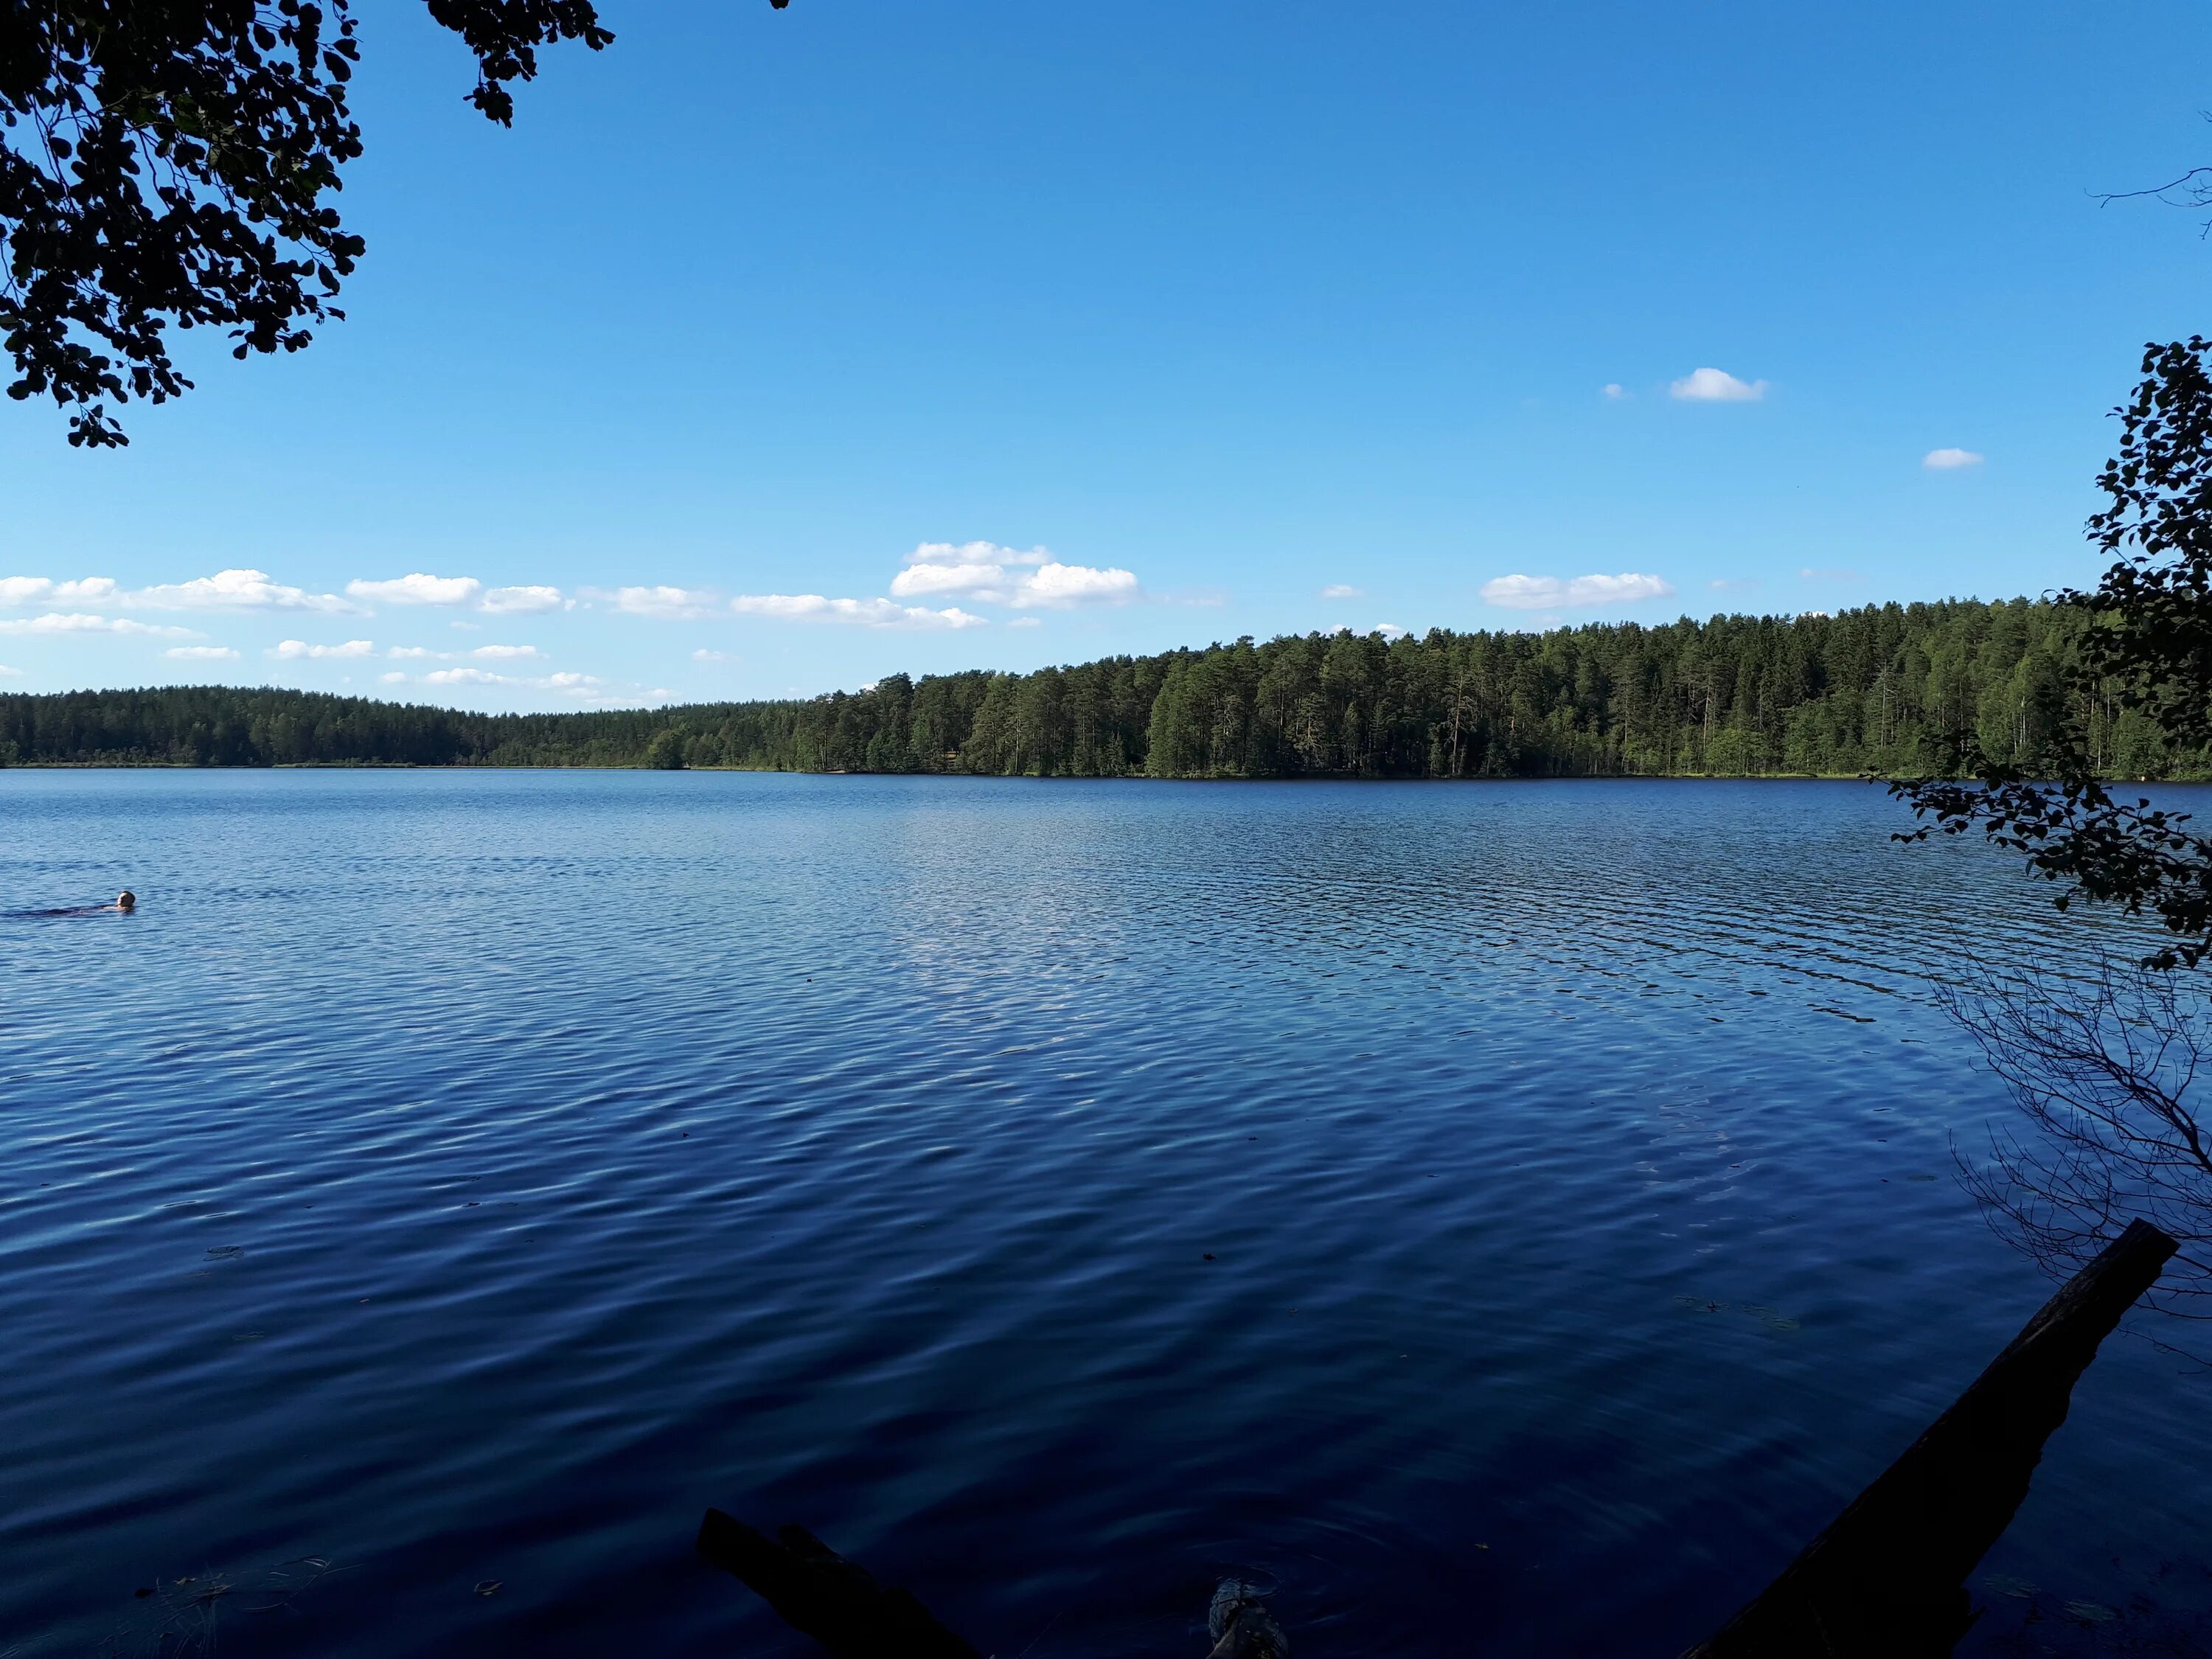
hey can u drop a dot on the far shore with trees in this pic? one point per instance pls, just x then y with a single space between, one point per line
1909 690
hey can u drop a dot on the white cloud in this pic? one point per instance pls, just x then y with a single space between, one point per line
418 588
991 575
227 590
976 580
1616 392
395 677
664 604
704 655
524 601
1714 386
867 613
1342 591
15 591
568 683
507 652
1026 622
1388 630
1518 593
5 671
976 553
202 654
66 621
1059 586
233 590
400 650
1945 460
291 650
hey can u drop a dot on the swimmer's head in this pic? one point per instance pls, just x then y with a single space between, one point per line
126 900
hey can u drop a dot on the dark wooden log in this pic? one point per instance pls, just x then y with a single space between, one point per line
817 1591
1888 1579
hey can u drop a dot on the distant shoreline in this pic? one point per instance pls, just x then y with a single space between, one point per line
1885 692
993 777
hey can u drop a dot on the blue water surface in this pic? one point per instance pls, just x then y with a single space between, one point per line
1509 1218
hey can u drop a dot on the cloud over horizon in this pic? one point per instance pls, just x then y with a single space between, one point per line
489 652
527 600
990 574
420 587
866 613
662 603
227 590
1946 461
1519 592
234 590
593 690
18 590
63 622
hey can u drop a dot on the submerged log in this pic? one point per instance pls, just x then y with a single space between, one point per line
817 1591
1888 1577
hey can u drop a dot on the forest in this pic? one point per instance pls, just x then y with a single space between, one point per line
1889 689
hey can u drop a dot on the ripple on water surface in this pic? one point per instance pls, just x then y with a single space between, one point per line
1506 1218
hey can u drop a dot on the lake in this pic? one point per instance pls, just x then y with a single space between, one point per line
1509 1218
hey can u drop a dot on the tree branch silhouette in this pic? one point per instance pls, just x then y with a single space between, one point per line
2148 647
169 163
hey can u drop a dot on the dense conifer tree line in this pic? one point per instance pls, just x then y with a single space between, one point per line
1884 688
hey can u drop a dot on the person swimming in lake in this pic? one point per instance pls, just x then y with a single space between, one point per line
125 902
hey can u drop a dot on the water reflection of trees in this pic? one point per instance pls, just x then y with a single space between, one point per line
2107 1070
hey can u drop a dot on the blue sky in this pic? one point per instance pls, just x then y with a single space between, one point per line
772 351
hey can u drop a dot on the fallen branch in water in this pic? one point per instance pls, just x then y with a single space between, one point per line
818 1592
1888 1579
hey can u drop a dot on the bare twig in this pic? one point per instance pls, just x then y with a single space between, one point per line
2104 1069
2202 193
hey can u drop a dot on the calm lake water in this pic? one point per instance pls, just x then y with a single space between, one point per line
1510 1217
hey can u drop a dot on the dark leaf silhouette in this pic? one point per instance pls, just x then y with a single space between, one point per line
2145 650
171 163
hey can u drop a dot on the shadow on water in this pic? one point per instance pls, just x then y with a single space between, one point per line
1886 1580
